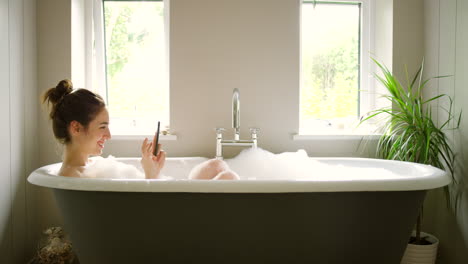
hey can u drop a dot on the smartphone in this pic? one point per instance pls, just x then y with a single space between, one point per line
156 141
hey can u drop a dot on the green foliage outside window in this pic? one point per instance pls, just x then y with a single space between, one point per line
136 62
330 62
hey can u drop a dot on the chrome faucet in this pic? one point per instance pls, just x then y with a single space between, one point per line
220 142
236 113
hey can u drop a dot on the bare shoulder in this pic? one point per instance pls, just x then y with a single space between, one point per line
71 171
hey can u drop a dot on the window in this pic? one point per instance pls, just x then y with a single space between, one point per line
335 59
137 86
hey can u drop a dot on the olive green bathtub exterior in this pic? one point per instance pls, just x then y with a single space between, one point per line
323 227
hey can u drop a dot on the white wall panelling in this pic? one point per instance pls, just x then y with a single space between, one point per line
5 179
18 114
446 39
17 133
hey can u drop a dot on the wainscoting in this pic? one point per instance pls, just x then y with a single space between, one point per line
18 132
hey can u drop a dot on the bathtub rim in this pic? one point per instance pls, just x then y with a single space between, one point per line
439 178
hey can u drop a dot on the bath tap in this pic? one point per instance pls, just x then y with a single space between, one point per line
236 113
220 142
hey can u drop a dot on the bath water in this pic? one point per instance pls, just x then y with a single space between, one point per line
253 164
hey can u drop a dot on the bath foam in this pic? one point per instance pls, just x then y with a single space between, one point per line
250 164
111 168
259 164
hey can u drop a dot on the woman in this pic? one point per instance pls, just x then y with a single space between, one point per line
80 121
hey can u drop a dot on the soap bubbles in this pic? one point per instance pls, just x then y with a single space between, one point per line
259 164
253 164
250 164
100 167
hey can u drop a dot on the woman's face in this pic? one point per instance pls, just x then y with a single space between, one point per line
93 138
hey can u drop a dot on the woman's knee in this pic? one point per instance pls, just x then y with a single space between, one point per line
208 169
217 165
227 175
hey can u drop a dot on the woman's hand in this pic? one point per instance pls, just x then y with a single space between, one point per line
151 164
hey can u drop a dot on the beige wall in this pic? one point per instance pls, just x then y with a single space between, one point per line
408 36
446 35
54 53
54 62
220 45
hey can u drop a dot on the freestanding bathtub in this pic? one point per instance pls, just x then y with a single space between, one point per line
327 219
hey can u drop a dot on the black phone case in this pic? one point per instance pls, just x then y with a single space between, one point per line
156 142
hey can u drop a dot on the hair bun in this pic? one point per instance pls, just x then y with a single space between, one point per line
63 88
54 95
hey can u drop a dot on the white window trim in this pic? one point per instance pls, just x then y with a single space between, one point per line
94 47
337 137
95 75
169 137
367 82
367 46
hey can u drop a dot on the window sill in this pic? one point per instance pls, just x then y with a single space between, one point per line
142 137
297 137
338 131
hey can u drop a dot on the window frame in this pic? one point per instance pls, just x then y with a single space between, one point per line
367 92
100 57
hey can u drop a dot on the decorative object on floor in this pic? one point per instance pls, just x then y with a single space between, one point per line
55 249
409 133
425 253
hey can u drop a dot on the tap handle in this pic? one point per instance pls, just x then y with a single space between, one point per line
219 132
254 130
253 133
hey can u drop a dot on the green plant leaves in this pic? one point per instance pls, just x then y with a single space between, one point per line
409 131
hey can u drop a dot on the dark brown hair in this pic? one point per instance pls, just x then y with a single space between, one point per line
80 105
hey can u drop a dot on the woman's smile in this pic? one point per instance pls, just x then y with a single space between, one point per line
101 143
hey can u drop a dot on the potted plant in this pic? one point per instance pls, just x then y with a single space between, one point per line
409 133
